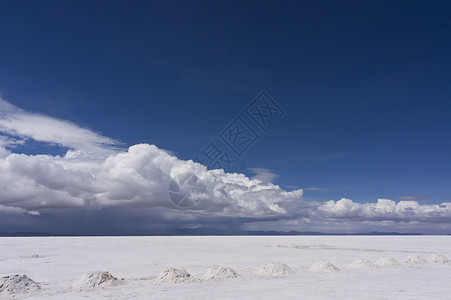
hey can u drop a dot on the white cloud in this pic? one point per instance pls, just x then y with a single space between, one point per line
264 175
414 198
16 210
315 189
26 125
385 209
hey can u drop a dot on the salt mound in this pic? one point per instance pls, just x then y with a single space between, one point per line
361 264
438 259
291 245
174 276
17 284
30 256
275 269
415 260
387 262
218 273
323 267
95 280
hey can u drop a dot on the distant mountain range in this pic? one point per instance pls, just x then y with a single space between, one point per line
200 231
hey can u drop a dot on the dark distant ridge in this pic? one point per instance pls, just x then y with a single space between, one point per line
215 231
200 231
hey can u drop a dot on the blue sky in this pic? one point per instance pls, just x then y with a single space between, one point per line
364 86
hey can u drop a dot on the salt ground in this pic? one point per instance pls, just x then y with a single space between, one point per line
137 267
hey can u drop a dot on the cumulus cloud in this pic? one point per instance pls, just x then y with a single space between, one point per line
385 209
138 177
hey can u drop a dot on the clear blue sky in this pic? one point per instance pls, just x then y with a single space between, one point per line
365 85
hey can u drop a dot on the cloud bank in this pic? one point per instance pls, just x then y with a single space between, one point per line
137 177
98 177
385 209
